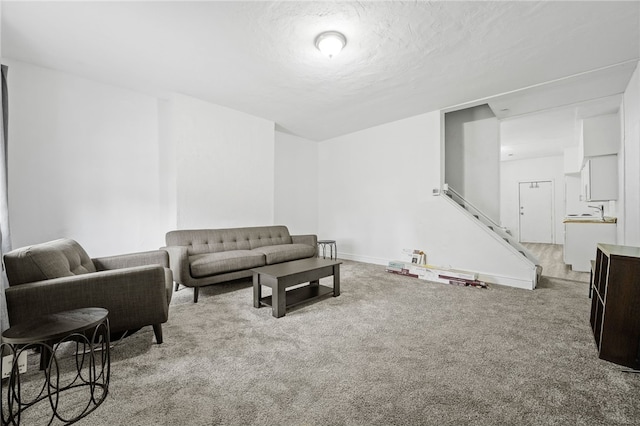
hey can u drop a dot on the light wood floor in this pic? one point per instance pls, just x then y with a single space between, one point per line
550 257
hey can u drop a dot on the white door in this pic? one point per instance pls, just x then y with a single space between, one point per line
536 212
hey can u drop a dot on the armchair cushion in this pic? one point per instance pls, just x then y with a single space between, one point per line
54 259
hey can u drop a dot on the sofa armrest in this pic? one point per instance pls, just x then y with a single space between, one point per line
154 257
135 297
310 239
179 264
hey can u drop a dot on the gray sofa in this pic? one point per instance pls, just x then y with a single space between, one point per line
200 257
58 275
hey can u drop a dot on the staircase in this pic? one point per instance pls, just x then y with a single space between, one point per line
487 223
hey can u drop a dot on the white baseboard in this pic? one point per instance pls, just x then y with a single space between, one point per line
364 259
526 284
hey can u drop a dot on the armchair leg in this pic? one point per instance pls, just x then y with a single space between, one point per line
157 330
195 294
177 285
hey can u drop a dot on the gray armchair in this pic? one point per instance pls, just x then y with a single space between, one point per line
59 275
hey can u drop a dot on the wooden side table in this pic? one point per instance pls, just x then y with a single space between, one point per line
323 244
88 328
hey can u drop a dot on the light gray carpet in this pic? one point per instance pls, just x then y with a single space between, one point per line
390 350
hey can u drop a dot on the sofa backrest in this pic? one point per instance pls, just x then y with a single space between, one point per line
201 241
53 259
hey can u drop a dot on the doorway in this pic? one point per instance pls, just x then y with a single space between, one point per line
536 212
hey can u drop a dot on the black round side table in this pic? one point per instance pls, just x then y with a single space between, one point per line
87 378
323 244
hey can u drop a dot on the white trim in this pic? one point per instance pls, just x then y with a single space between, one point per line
487 99
364 259
521 283
525 284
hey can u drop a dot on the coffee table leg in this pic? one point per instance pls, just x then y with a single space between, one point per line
257 290
336 280
278 300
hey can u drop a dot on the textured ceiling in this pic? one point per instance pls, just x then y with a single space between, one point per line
401 58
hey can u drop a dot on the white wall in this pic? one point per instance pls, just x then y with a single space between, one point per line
531 170
225 165
168 164
374 199
631 173
116 169
472 143
378 200
296 183
83 163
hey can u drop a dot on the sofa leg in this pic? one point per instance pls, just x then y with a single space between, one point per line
157 330
177 285
195 294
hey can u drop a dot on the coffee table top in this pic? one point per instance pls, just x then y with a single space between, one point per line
280 270
54 326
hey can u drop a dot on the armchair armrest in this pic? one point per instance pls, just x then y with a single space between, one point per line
154 257
179 264
135 296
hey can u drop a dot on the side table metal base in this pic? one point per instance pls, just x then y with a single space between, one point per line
333 248
85 382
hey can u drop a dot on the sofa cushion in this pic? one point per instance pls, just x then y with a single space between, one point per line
53 259
286 252
204 265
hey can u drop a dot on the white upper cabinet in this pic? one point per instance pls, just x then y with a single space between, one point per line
600 136
600 178
597 151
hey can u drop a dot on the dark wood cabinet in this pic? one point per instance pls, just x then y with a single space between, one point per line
615 304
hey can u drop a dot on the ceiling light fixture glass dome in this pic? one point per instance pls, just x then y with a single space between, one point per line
330 43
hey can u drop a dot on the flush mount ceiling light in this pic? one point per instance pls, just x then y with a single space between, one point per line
330 43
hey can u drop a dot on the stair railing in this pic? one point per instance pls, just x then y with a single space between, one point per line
472 209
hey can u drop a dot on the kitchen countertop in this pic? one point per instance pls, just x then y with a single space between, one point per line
583 219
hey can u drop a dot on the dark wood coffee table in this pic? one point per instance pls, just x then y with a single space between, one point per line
284 275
